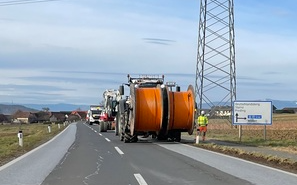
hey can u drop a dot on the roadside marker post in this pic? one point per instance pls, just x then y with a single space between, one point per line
197 136
49 128
20 136
197 139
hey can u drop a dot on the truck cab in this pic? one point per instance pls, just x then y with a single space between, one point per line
94 114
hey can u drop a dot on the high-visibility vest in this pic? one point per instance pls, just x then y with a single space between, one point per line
202 121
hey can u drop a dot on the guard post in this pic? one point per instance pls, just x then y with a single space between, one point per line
49 128
20 136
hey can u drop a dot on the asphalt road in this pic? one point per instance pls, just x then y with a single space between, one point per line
101 158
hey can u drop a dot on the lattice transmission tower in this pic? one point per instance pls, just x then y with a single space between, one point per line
215 70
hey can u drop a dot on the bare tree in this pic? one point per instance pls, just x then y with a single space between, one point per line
45 109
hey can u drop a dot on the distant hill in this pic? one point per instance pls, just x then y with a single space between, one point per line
11 109
58 107
280 104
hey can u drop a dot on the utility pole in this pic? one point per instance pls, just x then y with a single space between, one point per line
215 70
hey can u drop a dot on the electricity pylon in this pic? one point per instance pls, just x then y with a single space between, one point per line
215 70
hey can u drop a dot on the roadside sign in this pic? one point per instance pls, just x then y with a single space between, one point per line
252 113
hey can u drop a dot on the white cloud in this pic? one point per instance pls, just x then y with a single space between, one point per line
95 36
111 35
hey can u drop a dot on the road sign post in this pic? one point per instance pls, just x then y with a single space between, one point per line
264 132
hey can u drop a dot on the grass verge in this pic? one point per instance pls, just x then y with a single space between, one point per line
33 136
268 160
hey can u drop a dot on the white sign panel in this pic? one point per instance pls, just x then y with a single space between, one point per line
252 113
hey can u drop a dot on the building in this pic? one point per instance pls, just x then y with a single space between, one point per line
4 119
24 117
57 117
221 111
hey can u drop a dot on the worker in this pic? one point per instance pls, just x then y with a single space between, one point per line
202 121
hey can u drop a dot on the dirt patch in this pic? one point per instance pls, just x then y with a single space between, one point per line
279 163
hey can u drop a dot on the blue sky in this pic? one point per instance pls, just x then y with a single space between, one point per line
70 51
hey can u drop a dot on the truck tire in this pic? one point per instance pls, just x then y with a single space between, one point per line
101 127
118 128
178 136
105 126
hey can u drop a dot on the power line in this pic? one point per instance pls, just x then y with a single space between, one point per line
18 2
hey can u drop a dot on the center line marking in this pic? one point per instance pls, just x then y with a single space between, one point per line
119 150
140 179
107 139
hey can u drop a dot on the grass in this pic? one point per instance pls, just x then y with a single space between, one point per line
33 136
282 132
252 141
280 136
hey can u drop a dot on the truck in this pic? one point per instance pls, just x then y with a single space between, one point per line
109 112
152 108
93 114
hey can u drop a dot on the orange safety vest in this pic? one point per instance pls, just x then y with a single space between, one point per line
202 121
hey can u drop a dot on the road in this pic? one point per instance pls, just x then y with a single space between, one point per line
101 158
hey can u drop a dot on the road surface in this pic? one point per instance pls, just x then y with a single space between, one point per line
101 158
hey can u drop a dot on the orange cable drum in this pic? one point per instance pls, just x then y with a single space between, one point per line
182 109
148 109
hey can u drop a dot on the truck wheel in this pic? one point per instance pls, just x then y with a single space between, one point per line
109 125
101 127
121 133
178 136
122 137
116 131
126 140
105 126
162 137
134 139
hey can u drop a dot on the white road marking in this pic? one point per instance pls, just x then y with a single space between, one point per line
95 131
100 134
107 139
140 179
119 150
